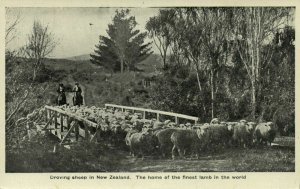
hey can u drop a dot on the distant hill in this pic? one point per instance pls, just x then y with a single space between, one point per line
79 57
148 65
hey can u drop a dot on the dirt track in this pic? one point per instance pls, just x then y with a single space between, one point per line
258 159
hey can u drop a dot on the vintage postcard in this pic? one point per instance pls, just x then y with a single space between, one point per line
149 94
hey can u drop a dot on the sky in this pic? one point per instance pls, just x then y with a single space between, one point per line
71 26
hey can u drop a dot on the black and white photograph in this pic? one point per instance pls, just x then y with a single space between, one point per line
149 89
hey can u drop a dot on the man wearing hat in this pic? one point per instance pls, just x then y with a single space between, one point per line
61 98
77 99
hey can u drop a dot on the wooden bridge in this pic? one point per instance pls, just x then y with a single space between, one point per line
70 128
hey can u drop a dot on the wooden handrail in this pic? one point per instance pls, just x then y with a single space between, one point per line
176 115
90 123
158 112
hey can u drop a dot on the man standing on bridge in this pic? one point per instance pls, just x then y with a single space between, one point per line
77 99
61 98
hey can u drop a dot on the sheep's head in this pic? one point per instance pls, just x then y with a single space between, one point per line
251 126
214 121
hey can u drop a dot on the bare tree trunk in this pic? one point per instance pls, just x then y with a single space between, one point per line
34 74
253 112
165 58
198 79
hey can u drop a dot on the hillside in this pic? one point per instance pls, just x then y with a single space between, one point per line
100 85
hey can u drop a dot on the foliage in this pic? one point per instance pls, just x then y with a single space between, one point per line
158 29
41 43
198 47
254 27
37 155
124 47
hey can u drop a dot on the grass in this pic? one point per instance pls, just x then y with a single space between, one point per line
92 79
231 160
285 141
101 158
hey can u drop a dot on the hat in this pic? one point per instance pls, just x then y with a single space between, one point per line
76 83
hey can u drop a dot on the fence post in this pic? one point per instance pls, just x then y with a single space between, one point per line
157 117
144 115
176 120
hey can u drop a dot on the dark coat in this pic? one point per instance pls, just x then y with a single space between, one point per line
61 98
77 99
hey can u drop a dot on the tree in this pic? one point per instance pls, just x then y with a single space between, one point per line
124 45
203 39
159 31
12 20
278 82
105 56
254 29
41 43
215 24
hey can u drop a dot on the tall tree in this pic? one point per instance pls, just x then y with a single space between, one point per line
159 31
124 45
41 43
105 55
254 29
215 37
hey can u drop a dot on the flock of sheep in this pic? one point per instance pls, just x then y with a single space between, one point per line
154 137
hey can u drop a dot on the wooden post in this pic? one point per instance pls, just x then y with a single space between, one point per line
157 116
68 133
68 122
48 122
86 132
46 117
50 114
176 120
61 125
96 135
61 122
76 130
55 122
144 115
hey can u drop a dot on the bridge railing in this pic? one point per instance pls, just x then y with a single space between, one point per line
68 126
64 124
157 112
